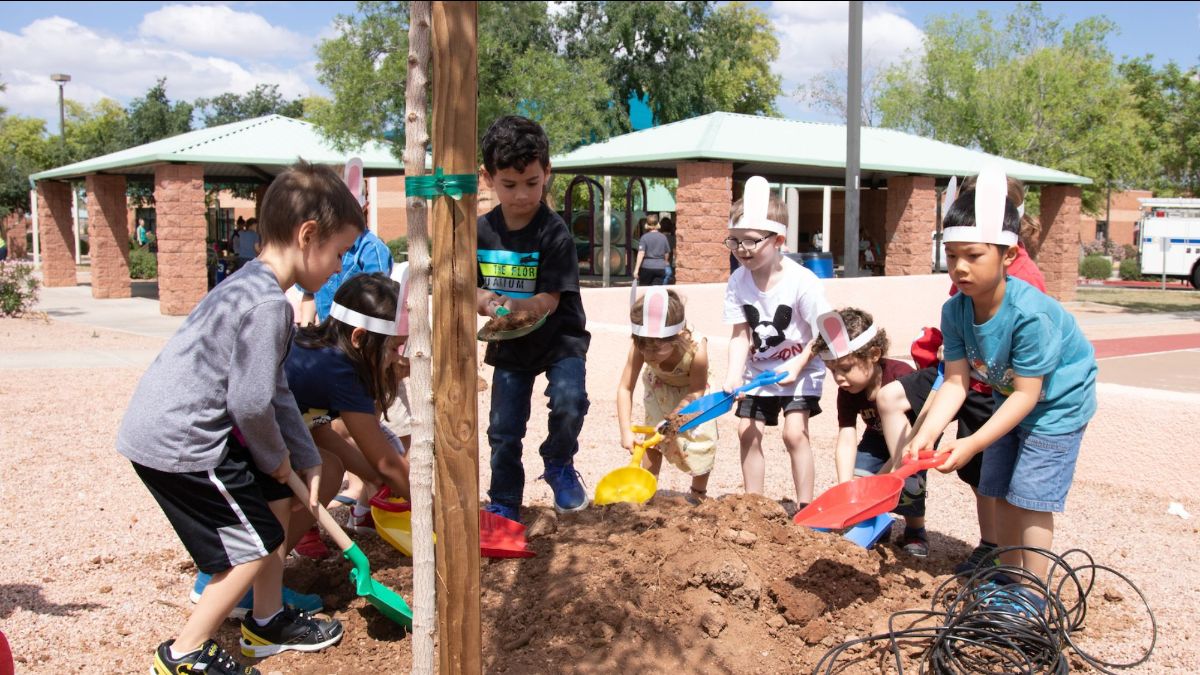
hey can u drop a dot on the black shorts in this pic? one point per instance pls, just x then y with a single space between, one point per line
652 277
223 515
975 411
766 408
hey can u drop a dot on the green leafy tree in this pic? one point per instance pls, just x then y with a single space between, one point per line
24 149
520 71
97 130
154 116
264 99
1169 101
1029 89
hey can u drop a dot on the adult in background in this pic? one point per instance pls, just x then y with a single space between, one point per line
667 227
653 249
247 246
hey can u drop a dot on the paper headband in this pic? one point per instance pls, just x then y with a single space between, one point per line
352 173
833 329
991 191
755 202
656 306
397 326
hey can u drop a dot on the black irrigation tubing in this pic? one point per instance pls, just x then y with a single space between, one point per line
982 624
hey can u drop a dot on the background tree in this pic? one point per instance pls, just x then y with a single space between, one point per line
1169 101
154 116
827 90
24 149
1031 89
264 99
99 130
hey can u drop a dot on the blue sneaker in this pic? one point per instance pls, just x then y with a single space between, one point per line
1011 598
302 601
567 485
513 513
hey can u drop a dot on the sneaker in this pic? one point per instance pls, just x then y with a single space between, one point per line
1011 598
567 485
302 601
210 658
914 544
311 546
513 513
291 629
984 555
364 524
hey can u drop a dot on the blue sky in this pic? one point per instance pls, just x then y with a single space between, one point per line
118 49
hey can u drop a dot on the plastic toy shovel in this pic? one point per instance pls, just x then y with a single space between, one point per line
385 599
718 403
499 537
630 483
850 503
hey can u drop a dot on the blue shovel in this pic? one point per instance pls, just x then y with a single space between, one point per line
718 403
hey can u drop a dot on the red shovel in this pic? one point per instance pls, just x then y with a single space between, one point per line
850 503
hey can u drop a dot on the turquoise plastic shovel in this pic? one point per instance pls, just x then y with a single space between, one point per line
718 403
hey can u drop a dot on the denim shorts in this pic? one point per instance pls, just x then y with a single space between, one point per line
1031 471
872 455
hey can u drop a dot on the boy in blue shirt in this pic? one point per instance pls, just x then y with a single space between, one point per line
527 262
1041 368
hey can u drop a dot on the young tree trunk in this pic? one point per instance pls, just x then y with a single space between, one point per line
416 140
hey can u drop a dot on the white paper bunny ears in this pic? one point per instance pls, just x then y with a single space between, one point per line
655 308
991 191
755 202
837 337
396 326
352 173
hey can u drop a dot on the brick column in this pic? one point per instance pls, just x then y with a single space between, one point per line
702 204
181 228
108 236
909 223
1058 254
57 237
15 229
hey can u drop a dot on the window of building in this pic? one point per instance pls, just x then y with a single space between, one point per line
220 224
1101 230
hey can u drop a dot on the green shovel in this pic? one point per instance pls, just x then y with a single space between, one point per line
385 599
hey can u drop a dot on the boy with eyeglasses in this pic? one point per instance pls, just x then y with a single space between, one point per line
772 303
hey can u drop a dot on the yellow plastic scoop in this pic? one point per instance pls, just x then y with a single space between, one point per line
630 483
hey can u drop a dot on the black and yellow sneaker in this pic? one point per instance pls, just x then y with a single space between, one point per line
290 629
210 659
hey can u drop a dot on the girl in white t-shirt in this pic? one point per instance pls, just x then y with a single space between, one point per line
772 303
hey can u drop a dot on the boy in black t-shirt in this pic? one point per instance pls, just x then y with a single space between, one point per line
527 262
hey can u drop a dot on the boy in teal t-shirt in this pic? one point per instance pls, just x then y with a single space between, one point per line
1041 368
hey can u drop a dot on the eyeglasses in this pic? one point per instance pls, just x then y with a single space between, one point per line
733 243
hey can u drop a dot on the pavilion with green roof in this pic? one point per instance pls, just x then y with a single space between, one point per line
251 152
712 155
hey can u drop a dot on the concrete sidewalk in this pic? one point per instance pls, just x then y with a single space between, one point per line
137 315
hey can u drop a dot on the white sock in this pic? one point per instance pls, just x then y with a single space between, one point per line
263 622
359 510
176 655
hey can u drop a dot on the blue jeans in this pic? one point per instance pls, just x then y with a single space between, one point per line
1031 471
872 455
511 391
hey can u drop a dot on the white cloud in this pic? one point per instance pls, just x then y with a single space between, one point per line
103 65
218 29
813 38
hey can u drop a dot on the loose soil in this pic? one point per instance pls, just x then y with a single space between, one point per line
509 322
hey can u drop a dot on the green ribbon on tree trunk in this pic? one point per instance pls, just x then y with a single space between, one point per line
438 184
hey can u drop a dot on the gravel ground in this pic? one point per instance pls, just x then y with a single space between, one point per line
91 569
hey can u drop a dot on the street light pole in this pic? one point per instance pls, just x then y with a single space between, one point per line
61 79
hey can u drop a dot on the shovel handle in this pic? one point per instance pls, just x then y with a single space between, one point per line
327 522
925 460
640 448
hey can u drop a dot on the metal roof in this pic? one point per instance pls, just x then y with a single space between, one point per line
785 150
253 150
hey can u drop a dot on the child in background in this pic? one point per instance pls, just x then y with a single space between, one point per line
853 349
1041 368
676 373
771 302
914 392
216 432
527 262
343 369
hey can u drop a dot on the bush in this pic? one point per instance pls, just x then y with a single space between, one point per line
399 247
1131 269
142 264
18 288
1129 251
1095 267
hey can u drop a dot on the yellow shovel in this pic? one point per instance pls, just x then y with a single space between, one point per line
630 483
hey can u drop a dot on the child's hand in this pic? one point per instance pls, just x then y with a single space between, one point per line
312 478
627 440
961 451
732 382
919 443
284 469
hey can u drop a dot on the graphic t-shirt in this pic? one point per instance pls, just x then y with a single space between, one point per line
657 248
781 324
325 384
850 406
538 258
1030 335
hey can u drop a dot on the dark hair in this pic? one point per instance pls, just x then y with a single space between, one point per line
514 142
675 313
374 295
857 321
307 192
962 214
